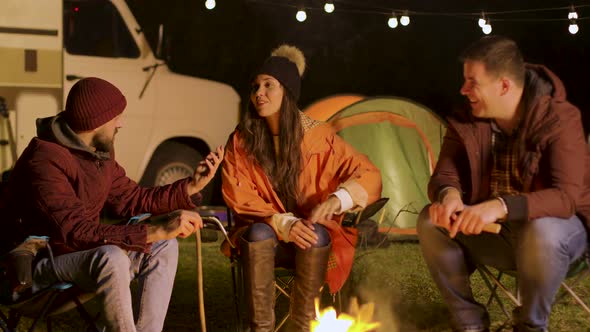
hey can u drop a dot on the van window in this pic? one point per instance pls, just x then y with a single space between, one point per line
95 28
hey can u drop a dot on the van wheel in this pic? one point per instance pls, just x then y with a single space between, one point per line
173 161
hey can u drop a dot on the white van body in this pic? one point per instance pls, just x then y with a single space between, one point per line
47 46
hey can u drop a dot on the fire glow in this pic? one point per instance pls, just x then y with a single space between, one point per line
359 320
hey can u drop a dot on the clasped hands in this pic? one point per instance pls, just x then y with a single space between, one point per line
302 232
456 217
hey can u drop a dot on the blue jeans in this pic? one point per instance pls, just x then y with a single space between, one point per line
284 251
540 250
108 271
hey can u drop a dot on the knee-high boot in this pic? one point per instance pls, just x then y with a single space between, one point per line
258 269
310 273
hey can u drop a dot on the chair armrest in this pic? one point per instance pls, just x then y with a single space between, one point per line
353 218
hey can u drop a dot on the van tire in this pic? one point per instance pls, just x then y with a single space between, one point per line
173 161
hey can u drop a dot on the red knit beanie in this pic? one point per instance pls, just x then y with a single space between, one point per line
91 103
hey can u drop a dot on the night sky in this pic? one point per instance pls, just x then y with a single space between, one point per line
357 53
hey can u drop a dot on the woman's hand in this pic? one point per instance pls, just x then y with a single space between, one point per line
325 210
302 234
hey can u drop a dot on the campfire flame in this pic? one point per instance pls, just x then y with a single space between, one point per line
359 320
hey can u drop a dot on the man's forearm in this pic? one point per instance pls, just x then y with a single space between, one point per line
448 191
191 189
154 234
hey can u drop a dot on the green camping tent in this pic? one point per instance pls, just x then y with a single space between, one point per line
403 139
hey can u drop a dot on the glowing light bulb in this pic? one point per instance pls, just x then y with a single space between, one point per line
481 22
572 15
392 22
404 20
301 15
487 29
210 4
329 7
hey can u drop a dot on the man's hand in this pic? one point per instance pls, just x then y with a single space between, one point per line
302 234
442 212
180 223
473 218
205 171
325 210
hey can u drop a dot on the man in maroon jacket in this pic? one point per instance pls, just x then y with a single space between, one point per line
518 157
59 186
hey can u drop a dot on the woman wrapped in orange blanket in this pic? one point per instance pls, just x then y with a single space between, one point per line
288 179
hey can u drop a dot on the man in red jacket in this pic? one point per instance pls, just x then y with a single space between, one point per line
518 157
59 186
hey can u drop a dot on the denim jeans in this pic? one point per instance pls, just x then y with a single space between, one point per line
108 271
284 251
540 250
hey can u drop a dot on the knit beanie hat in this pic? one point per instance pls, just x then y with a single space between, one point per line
91 103
287 64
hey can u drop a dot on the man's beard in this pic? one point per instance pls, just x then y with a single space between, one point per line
103 143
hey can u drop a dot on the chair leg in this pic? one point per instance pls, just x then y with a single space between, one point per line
509 294
44 311
236 277
493 289
575 296
4 323
486 275
91 321
281 323
283 285
571 285
13 319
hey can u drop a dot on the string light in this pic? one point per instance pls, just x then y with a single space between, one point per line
572 15
301 15
405 19
487 28
329 7
482 20
573 28
392 22
210 4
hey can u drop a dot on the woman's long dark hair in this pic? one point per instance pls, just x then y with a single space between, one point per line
284 169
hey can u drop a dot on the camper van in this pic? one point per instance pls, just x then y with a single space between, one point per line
171 120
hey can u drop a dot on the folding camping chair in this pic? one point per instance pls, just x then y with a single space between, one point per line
577 271
44 304
284 277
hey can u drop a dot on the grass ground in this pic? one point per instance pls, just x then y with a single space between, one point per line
394 278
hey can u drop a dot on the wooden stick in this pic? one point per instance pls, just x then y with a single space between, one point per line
381 217
492 228
200 295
